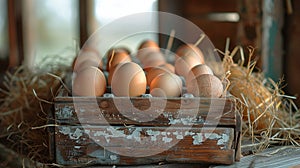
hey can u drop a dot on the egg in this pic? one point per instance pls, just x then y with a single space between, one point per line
146 47
149 44
116 58
168 66
152 72
205 85
185 63
153 59
166 85
118 49
85 64
190 49
85 59
128 79
89 82
198 70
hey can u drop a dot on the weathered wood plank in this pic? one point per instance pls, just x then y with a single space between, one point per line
145 111
143 145
282 156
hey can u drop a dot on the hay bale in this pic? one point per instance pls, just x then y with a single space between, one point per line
26 103
269 116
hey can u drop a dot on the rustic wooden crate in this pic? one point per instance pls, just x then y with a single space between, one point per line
182 120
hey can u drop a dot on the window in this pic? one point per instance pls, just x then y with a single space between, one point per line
105 12
3 30
50 29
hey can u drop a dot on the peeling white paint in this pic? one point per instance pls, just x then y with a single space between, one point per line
153 134
198 139
111 132
212 136
87 131
137 134
116 132
113 157
189 133
178 135
77 134
223 140
184 121
66 112
166 139
67 131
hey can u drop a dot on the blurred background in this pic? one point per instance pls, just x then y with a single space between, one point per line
32 31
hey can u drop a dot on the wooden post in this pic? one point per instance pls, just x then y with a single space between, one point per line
15 32
83 21
272 46
249 28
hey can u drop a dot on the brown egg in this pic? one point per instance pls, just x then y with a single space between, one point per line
190 49
198 70
89 82
128 80
149 44
146 47
185 63
153 59
118 49
168 66
153 72
85 59
205 85
116 58
166 85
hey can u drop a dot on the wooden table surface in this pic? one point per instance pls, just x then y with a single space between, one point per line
275 157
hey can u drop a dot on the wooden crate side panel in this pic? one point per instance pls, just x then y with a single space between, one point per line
145 111
74 145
